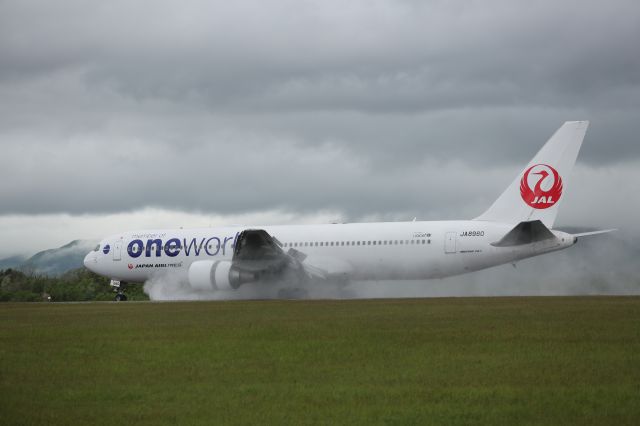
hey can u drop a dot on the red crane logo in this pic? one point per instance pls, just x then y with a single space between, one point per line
540 198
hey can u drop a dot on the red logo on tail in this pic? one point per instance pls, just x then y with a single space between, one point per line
540 198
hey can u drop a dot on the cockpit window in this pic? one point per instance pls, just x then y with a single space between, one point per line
97 248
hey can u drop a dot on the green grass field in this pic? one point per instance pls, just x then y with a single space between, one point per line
455 361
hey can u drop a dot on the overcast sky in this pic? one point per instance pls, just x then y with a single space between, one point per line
122 115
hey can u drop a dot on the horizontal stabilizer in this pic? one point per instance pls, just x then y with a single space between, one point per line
525 233
588 234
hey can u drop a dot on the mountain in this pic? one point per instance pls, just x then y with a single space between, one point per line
12 262
55 262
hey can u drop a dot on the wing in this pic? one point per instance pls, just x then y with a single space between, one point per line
260 254
256 251
258 257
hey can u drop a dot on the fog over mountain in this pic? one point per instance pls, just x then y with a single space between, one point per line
51 262
136 114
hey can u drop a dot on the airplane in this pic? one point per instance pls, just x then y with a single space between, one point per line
518 225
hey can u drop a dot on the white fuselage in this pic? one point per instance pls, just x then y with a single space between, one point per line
358 251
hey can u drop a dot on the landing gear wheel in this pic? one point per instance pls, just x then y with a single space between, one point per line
121 297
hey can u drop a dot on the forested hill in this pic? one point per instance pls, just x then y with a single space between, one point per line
75 285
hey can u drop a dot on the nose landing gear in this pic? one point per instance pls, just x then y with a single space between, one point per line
119 288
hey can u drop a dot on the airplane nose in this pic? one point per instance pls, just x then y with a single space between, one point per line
90 260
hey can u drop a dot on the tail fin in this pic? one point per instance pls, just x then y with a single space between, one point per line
538 190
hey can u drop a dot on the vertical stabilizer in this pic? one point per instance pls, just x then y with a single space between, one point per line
537 191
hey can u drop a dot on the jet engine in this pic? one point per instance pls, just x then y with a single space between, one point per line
217 275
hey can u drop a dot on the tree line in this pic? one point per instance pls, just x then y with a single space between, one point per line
73 286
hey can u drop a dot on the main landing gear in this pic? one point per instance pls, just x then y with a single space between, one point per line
119 288
293 293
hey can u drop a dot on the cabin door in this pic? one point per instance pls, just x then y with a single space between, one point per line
450 242
117 247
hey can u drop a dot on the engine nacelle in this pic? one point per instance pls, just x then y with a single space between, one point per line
216 275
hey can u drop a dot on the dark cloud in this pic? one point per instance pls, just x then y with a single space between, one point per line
375 109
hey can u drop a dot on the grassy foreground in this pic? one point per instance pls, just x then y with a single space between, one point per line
454 361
